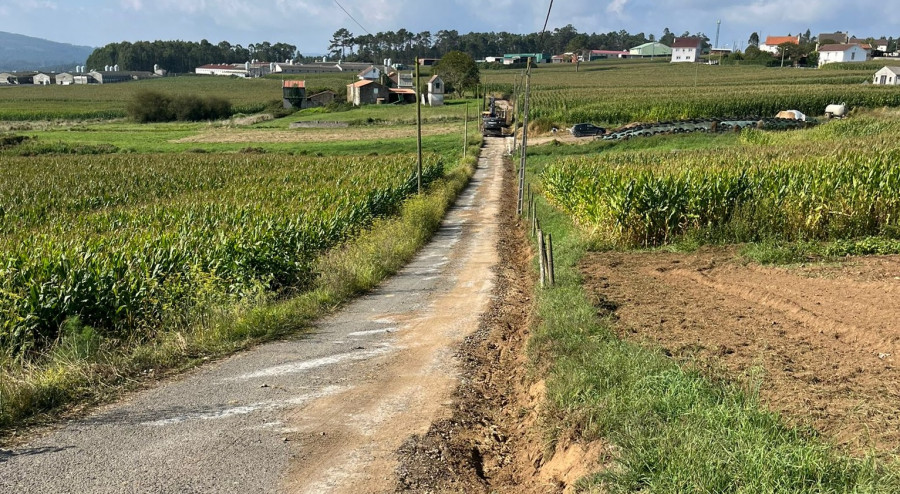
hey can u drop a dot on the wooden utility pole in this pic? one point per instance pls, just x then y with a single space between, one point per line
524 151
418 128
466 131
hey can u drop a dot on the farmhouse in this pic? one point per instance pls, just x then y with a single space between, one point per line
367 93
65 79
83 78
41 79
402 80
17 77
686 49
370 73
247 69
592 55
650 50
877 44
887 76
511 58
324 98
772 42
842 53
313 68
838 38
110 77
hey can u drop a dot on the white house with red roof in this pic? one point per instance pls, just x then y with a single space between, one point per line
772 42
686 49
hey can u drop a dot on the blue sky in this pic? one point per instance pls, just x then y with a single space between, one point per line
309 24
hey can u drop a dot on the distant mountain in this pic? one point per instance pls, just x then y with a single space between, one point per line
18 52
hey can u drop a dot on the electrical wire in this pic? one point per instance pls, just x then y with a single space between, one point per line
544 30
354 20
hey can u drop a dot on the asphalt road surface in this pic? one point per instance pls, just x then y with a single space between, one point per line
322 413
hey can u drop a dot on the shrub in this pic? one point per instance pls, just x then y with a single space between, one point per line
151 106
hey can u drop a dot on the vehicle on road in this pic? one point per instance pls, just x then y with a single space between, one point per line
586 129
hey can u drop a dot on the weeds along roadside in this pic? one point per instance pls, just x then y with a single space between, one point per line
671 429
81 370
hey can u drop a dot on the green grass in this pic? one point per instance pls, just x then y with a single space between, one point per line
105 101
673 429
162 138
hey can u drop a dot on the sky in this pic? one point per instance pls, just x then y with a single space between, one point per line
309 24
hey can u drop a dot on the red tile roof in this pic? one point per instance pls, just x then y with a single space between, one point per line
300 84
777 40
362 83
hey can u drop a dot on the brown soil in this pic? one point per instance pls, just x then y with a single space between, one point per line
821 341
492 442
372 132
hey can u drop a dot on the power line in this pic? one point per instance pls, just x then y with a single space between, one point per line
541 41
351 17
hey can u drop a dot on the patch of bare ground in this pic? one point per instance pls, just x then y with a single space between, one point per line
820 341
359 133
492 441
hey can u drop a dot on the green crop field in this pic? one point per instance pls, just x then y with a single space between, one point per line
126 243
126 247
616 92
837 181
22 103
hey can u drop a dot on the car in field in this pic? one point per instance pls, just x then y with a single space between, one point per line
586 129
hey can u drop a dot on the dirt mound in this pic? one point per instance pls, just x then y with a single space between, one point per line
820 341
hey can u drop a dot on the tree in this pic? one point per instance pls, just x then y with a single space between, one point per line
667 38
342 38
754 40
458 70
806 37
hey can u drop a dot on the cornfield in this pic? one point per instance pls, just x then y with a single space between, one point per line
127 243
811 190
617 92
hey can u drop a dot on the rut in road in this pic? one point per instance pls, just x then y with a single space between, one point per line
321 413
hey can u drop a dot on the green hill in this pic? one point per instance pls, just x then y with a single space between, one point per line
18 52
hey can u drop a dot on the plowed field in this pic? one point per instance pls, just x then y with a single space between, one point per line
820 341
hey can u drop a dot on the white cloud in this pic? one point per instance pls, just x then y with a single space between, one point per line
617 7
132 4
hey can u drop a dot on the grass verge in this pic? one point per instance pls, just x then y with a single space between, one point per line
673 428
83 369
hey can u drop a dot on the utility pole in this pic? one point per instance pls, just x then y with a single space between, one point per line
466 130
418 129
524 150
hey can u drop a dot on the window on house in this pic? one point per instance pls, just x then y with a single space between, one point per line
853 55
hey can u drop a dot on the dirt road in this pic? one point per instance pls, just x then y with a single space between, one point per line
325 413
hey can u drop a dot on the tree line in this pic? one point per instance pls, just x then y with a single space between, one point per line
185 56
404 45
401 45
